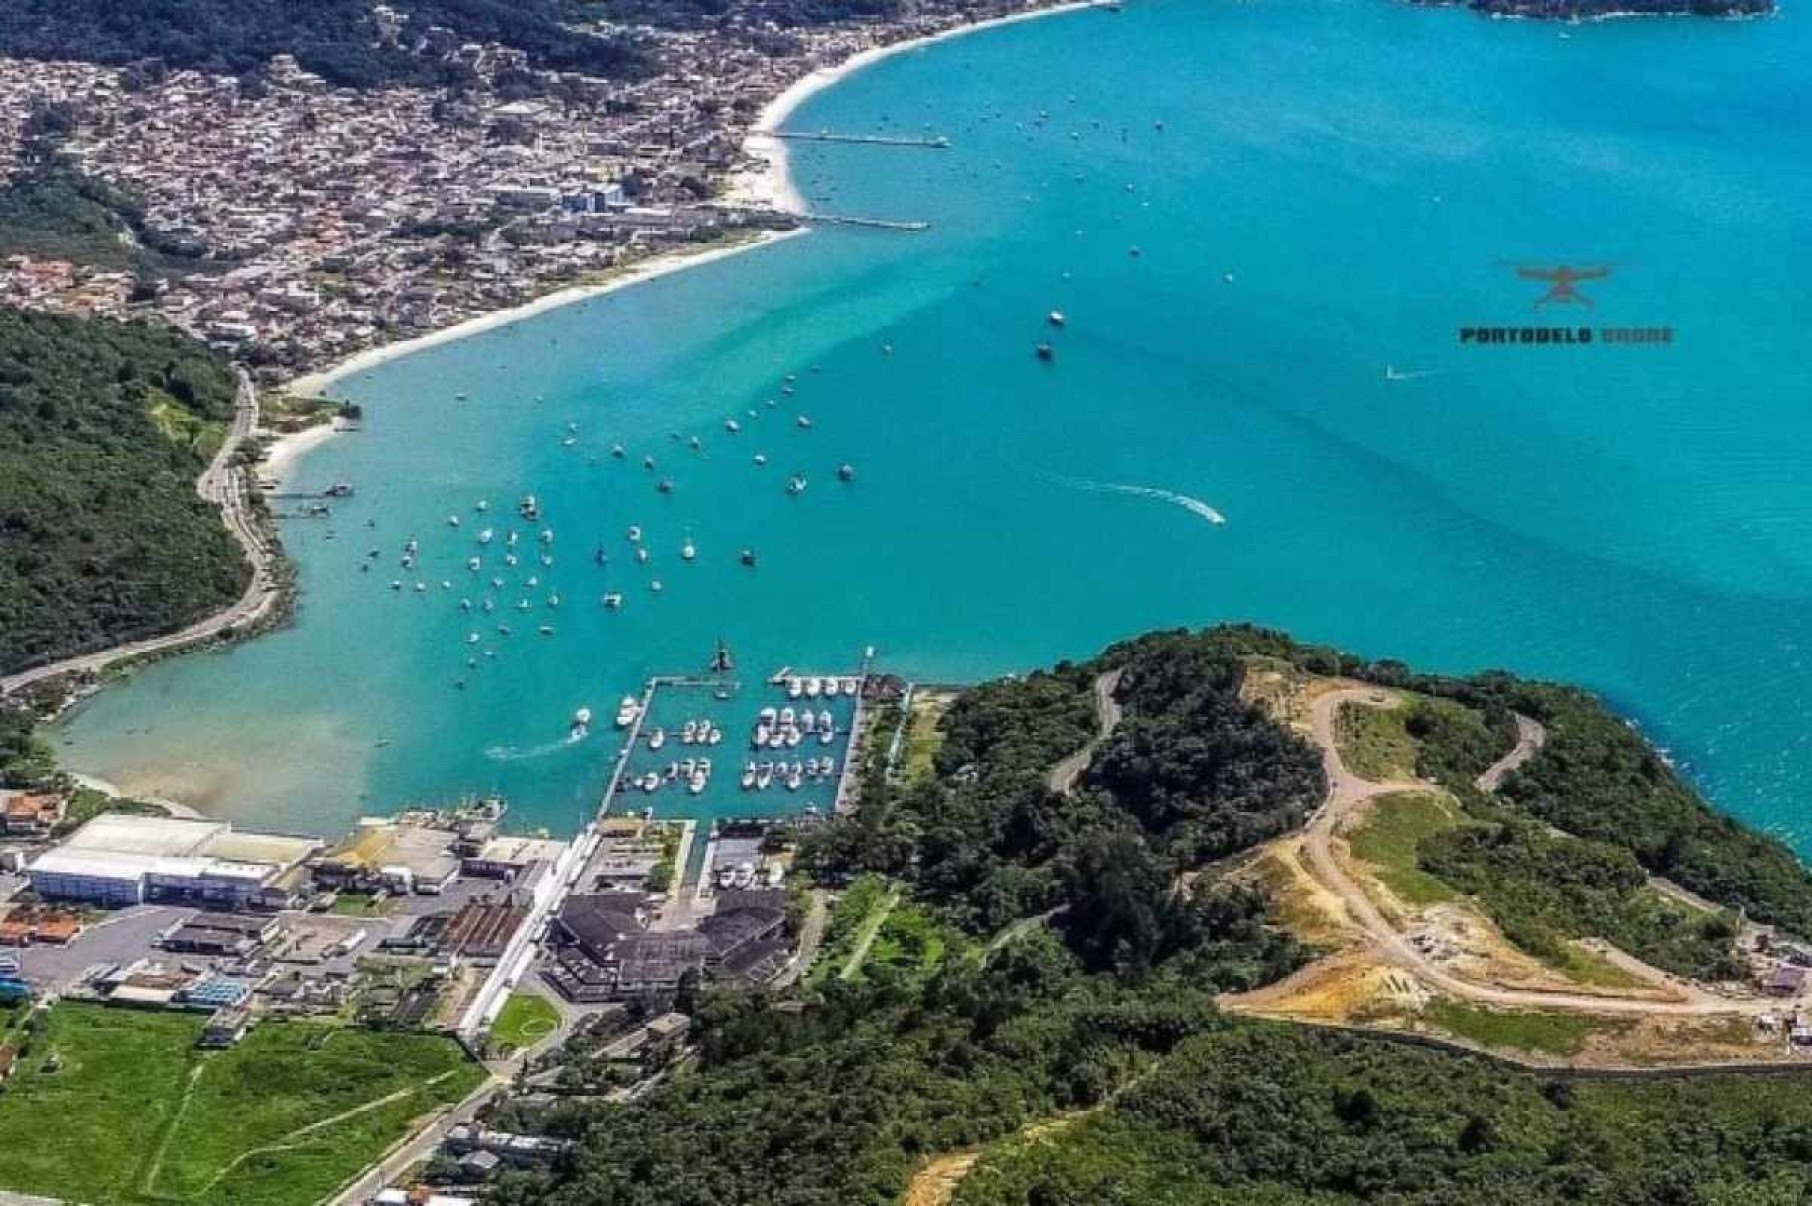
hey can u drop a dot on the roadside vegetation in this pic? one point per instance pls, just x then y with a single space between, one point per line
118 1106
1097 932
106 540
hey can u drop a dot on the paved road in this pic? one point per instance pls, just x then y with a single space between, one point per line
223 484
1346 790
1107 712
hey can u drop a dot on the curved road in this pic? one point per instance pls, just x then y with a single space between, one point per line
1346 790
223 484
1107 713
1529 738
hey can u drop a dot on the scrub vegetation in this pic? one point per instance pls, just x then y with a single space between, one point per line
119 1106
1076 1050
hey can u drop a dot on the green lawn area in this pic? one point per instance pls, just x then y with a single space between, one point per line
526 1018
1374 742
1389 835
923 737
133 1113
360 904
1560 1034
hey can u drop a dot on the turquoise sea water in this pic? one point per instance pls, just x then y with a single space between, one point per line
1637 519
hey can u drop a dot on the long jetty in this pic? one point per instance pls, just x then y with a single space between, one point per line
932 142
870 223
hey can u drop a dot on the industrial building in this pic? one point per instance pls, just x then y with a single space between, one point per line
119 859
392 856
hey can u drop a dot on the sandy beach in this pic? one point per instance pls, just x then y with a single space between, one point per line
770 186
283 452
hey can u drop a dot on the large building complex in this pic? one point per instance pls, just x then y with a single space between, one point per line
118 859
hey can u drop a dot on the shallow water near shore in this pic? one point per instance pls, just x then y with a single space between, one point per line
1336 187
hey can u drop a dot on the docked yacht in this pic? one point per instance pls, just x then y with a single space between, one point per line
764 775
748 776
813 687
794 688
657 739
832 687
627 711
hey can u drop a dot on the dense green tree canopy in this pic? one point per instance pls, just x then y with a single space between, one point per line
104 428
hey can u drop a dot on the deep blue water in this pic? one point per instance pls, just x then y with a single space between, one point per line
1336 186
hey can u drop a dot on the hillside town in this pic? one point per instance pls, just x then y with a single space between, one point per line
329 220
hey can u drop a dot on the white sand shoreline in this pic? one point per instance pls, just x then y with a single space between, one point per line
771 186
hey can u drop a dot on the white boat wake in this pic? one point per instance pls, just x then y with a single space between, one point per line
1194 506
508 753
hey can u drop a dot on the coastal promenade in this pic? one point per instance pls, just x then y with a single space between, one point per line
222 483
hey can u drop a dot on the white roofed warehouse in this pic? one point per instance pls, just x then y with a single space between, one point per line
118 859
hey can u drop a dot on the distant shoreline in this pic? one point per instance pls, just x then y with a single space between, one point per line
769 187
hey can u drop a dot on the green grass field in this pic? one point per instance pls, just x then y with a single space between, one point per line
117 1106
526 1019
1560 1034
1389 835
1374 742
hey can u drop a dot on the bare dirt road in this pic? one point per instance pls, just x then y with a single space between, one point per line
1347 790
1529 738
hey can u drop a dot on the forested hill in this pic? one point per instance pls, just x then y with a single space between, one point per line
340 40
104 428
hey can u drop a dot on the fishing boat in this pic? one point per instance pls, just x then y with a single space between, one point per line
761 458
641 556
452 521
512 537
523 605
665 486
635 533
473 564
546 630
805 423
529 508
795 484
748 558
655 586
1055 318
613 600
547 535
1046 352
481 505
472 638
846 472
616 450
647 462
553 600
488 605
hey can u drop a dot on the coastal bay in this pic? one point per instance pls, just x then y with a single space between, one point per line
1330 193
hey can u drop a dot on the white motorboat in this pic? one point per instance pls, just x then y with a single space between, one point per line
832 687
657 739
813 687
748 776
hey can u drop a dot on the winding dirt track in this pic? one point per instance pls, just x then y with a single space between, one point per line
1346 791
